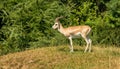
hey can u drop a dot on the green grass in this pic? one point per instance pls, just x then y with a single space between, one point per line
59 57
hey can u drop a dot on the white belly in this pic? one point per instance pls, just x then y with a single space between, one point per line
77 35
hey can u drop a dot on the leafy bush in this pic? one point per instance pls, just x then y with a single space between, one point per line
28 24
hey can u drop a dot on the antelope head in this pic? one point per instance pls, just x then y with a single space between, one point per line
57 23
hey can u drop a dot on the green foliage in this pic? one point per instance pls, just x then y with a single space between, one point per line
28 24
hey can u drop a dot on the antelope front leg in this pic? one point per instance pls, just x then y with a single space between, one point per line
71 44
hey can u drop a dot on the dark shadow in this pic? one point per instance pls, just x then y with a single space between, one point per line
68 50
63 49
77 50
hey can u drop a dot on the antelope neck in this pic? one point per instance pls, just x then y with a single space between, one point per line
61 29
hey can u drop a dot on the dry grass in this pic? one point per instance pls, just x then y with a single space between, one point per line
60 58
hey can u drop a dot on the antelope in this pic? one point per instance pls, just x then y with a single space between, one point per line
74 32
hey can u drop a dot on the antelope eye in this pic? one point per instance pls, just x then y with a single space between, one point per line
55 24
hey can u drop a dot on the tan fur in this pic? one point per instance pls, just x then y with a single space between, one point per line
84 29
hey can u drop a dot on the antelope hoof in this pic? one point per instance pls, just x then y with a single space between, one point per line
71 51
85 51
89 51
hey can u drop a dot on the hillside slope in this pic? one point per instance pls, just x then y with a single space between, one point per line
61 58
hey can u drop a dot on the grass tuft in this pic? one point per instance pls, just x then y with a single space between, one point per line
60 58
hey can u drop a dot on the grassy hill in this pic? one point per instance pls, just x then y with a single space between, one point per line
59 57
